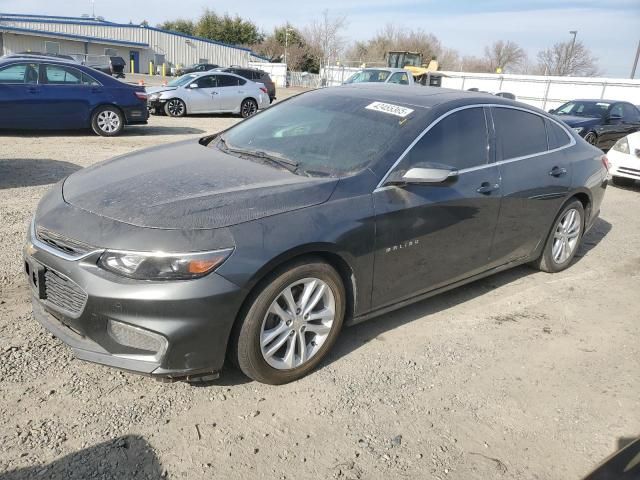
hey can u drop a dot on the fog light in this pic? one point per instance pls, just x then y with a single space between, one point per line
138 338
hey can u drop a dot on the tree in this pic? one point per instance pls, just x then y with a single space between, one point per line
227 29
324 38
299 56
179 25
504 55
568 59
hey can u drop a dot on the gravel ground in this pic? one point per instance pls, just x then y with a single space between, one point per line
523 375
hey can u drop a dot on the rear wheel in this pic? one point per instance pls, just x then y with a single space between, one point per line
175 108
623 181
248 108
291 323
563 241
107 121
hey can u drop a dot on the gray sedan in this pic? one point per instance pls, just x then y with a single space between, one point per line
208 92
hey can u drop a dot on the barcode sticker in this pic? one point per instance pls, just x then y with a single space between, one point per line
389 108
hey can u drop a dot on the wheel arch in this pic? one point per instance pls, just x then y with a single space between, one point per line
107 104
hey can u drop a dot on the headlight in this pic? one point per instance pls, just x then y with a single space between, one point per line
162 266
153 97
621 145
578 130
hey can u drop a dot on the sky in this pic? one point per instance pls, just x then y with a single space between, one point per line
609 28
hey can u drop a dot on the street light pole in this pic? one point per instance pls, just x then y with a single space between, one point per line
635 62
573 44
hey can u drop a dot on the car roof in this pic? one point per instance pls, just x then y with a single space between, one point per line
251 69
598 100
32 56
386 69
214 71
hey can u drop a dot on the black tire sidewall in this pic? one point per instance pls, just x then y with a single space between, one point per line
549 264
247 349
98 130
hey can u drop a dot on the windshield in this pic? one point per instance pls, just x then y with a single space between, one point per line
584 109
369 76
183 80
325 133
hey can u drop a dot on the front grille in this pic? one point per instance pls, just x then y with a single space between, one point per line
629 171
62 243
63 293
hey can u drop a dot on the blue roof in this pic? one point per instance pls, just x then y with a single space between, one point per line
105 23
72 37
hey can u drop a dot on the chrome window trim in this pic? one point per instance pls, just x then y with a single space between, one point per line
572 140
70 67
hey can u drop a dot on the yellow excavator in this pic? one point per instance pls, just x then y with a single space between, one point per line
424 74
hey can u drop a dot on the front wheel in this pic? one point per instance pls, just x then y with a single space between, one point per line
175 108
591 138
107 121
248 108
291 323
563 241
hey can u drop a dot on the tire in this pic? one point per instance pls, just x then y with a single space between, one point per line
553 259
623 181
267 346
248 108
107 121
175 108
591 138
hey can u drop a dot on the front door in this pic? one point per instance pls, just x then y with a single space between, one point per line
428 236
205 97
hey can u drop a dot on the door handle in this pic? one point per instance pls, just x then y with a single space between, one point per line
558 171
214 93
486 188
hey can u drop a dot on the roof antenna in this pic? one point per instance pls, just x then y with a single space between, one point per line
93 8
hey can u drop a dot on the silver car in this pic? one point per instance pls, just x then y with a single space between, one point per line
208 92
397 76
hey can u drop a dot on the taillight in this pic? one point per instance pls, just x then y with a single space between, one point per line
605 162
141 95
264 89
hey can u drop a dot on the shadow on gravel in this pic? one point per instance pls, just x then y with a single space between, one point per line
28 172
144 131
130 456
132 131
354 337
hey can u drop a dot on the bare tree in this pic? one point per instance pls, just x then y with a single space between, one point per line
504 55
324 38
568 59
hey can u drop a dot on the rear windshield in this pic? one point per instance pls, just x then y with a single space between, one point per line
327 134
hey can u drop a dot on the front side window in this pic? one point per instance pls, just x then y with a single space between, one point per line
209 81
616 110
19 73
583 109
459 141
400 78
519 133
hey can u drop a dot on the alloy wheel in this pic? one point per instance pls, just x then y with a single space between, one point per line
297 323
248 108
565 238
591 138
175 108
108 121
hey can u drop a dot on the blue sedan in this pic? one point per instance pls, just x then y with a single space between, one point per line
49 93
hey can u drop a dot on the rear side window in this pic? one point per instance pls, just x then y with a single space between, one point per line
58 75
556 135
519 133
19 73
459 141
400 78
228 81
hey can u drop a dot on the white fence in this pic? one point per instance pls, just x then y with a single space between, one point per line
540 91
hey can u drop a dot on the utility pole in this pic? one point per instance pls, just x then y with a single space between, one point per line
635 62
93 8
286 42
573 44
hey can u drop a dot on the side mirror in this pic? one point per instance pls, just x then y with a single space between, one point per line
421 176
193 85
552 110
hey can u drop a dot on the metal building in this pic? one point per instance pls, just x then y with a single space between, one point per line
139 45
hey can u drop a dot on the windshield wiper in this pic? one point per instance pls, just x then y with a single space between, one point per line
278 160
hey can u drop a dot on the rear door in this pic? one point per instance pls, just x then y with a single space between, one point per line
536 178
630 118
68 96
20 96
232 91
428 236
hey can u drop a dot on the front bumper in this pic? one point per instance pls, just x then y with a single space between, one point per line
194 316
624 165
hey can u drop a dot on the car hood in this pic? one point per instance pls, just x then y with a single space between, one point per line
574 121
151 90
190 186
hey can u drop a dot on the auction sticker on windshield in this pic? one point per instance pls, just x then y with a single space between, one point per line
396 110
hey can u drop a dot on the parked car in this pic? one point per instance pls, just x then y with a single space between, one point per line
48 93
600 122
196 67
208 92
624 157
255 75
333 207
381 75
113 66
